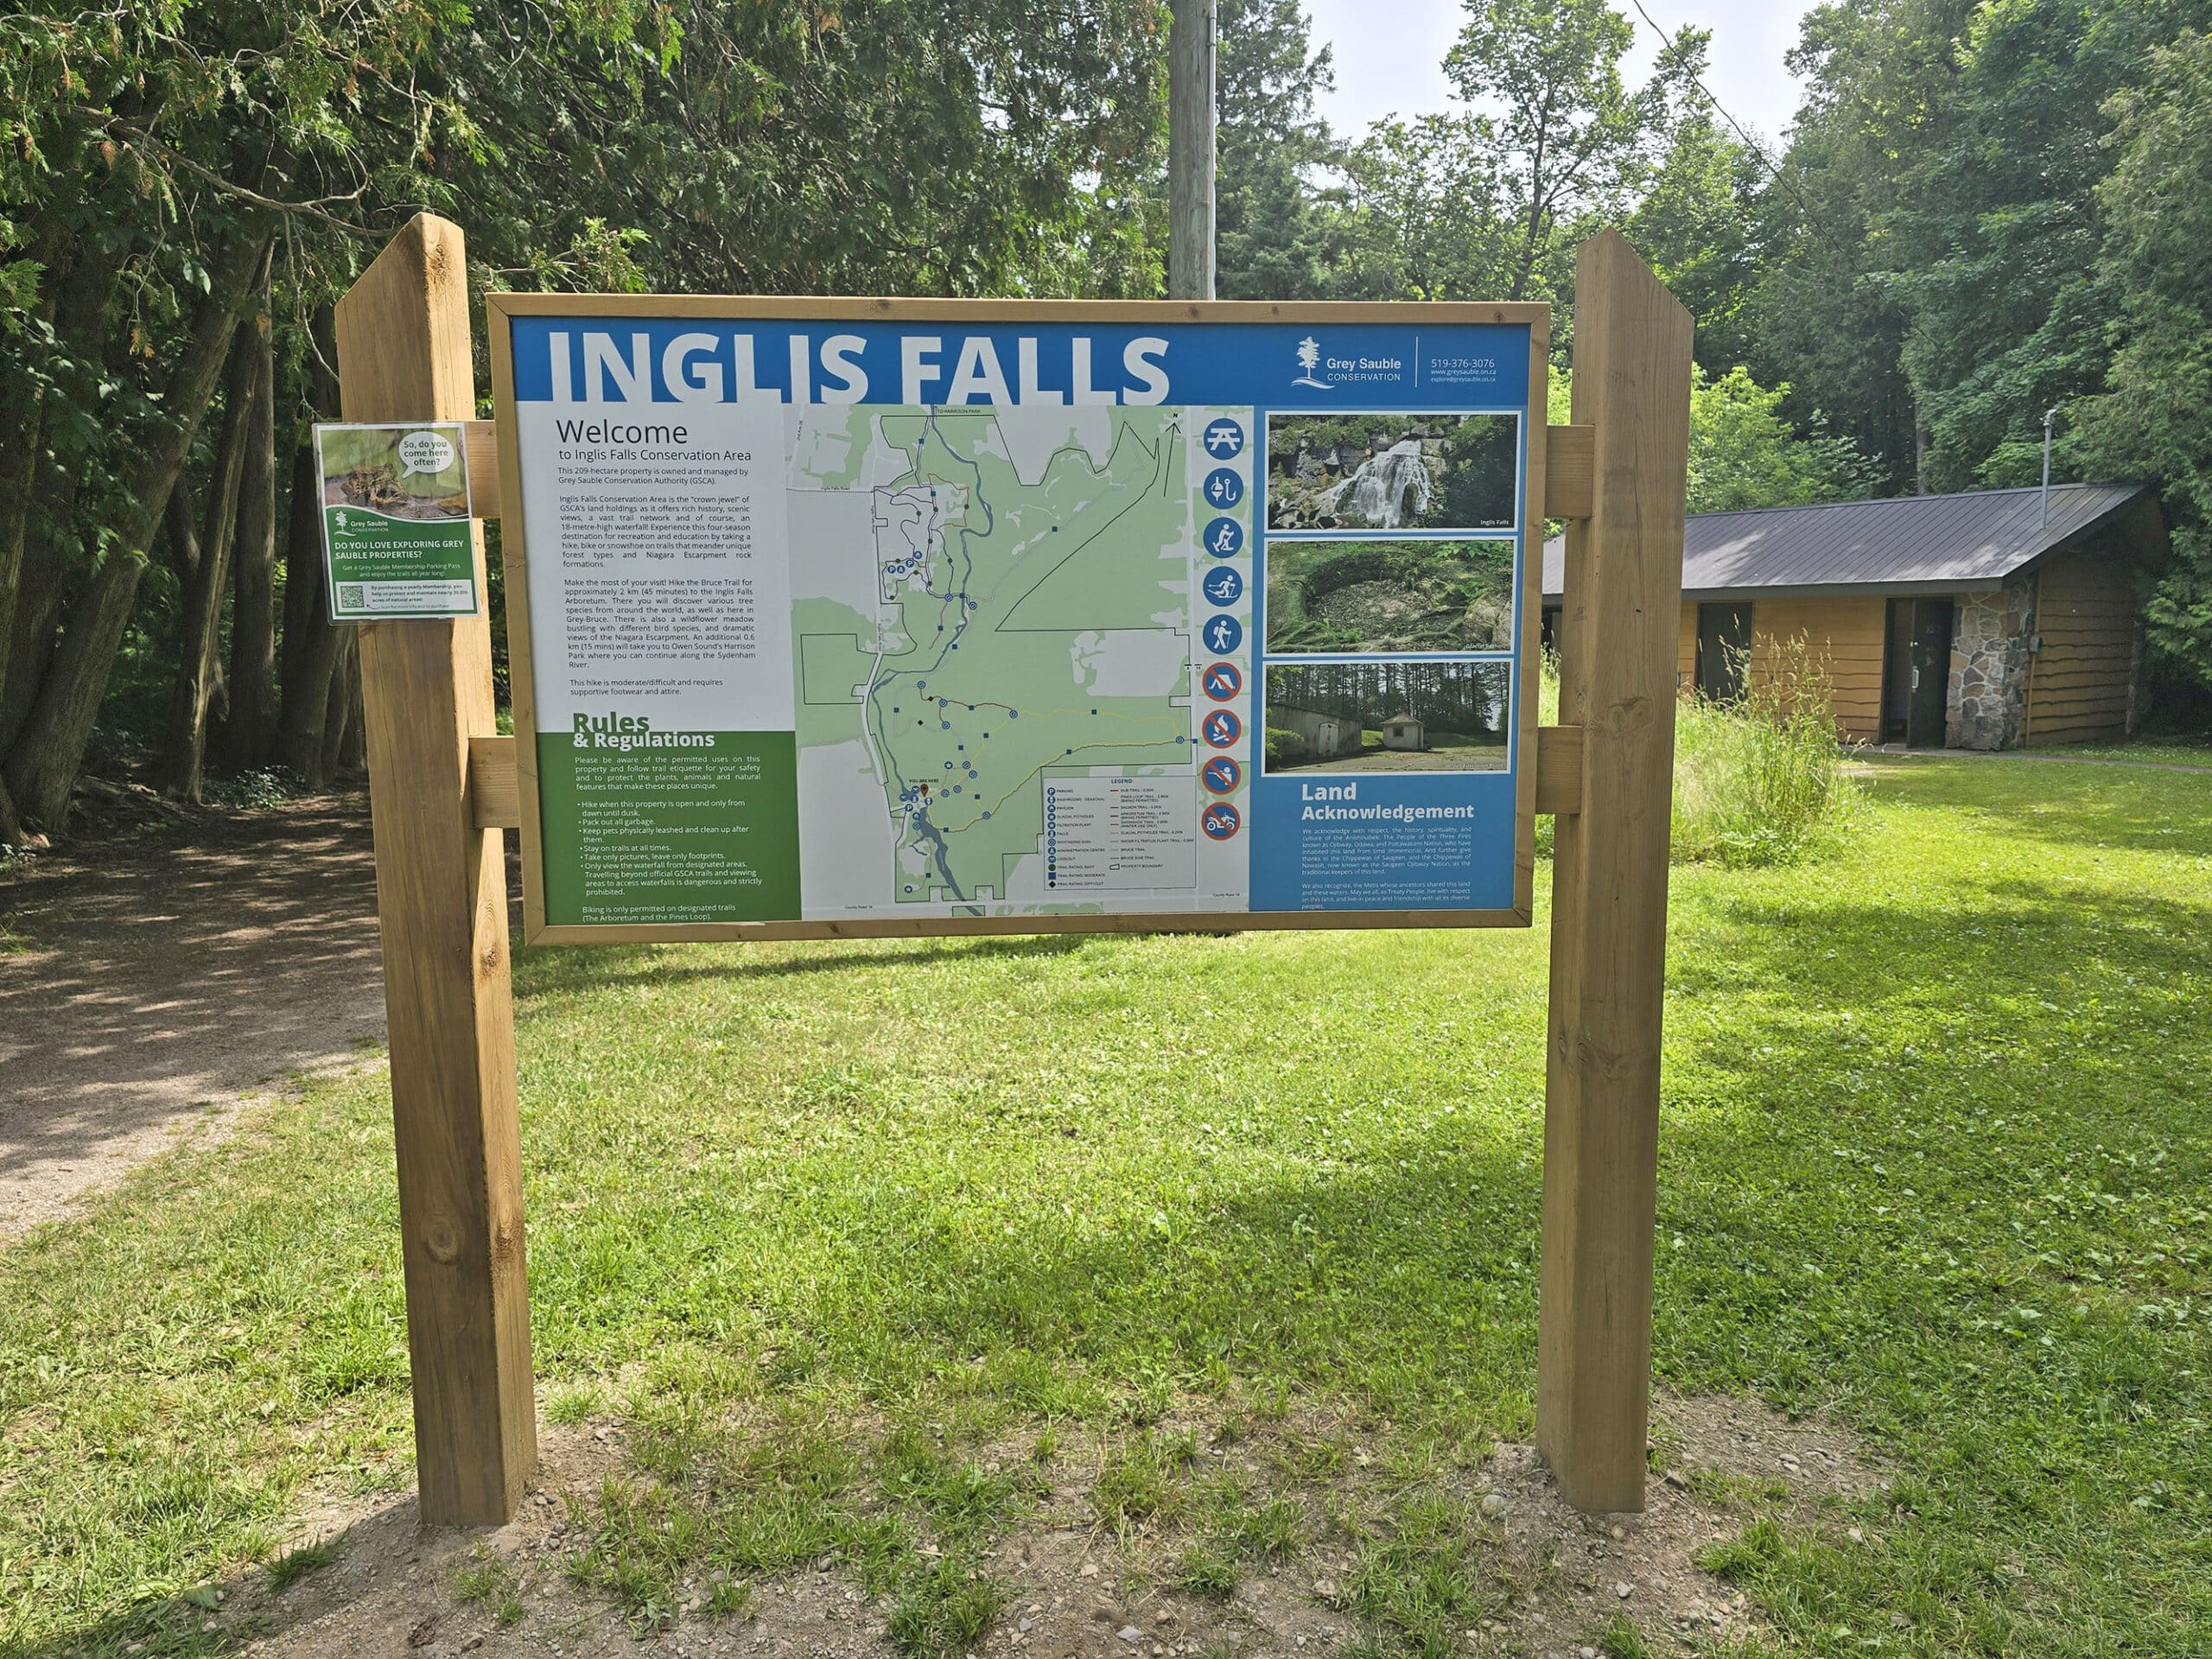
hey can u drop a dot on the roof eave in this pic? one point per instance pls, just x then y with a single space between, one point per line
1832 590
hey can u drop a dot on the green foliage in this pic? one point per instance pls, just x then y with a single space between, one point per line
1141 1479
1743 454
1273 234
1426 595
492 1582
1758 782
1488 204
1425 216
1572 140
2157 207
148 159
1698 225
1620 1639
943 1608
1938 267
1827 316
1204 1570
296 1563
1420 1583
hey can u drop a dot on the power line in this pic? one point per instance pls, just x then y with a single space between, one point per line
1750 142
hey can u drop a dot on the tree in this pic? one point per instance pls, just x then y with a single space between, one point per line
1827 317
2013 312
1272 236
1698 226
1744 453
150 163
1574 141
2157 257
1935 281
1428 218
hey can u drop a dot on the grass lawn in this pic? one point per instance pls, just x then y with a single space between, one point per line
2166 751
1935 1158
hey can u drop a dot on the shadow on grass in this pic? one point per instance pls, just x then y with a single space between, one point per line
581 968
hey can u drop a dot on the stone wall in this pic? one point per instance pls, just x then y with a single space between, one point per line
1987 695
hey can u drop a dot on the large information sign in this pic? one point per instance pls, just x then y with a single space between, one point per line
907 617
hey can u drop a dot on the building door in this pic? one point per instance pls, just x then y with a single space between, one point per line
1916 672
1931 673
1896 670
1723 644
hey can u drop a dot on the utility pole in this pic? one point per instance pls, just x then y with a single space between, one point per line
1190 151
2049 416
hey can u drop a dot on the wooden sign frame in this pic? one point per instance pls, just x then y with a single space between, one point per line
503 308
444 784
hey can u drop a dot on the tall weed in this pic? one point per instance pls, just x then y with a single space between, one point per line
1759 781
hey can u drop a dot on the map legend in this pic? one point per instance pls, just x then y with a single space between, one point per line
1119 834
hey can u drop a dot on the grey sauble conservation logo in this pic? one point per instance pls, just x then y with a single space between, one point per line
1309 359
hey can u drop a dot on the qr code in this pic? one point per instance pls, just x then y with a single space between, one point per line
351 598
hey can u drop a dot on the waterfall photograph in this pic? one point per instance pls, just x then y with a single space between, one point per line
1399 471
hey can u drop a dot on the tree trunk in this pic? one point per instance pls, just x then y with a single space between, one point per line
22 423
353 749
19 430
30 651
180 536
250 731
311 640
340 712
77 288
200 618
42 764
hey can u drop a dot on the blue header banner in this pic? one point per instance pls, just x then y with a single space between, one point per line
1292 366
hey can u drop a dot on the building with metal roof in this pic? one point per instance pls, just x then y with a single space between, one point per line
1980 620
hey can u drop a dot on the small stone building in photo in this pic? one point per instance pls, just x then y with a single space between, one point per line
1325 736
1404 732
1974 621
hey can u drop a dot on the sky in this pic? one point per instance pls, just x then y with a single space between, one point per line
1389 55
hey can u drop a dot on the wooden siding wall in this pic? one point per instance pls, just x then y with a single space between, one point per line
2078 685
1846 632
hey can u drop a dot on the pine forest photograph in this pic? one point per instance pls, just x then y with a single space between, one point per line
1387 716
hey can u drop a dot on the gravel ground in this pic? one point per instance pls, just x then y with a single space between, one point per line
150 986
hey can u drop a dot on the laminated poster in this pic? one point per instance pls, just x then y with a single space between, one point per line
395 533
835 621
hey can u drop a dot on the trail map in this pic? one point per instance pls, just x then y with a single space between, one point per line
1005 603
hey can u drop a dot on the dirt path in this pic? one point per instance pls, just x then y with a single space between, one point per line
1552 1580
147 989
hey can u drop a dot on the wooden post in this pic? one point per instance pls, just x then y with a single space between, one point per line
441 905
1618 625
1191 121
